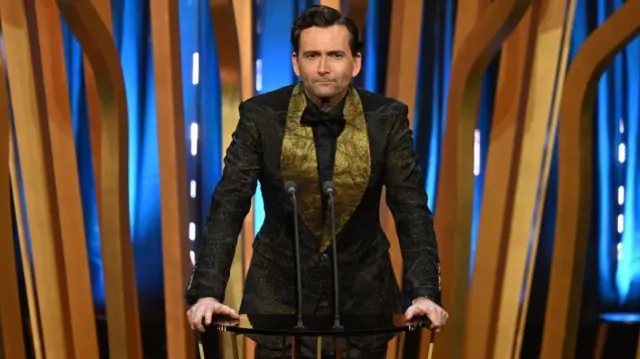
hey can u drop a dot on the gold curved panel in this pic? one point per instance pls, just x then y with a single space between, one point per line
505 144
357 11
227 35
574 187
176 265
32 140
27 273
336 4
243 11
103 7
549 66
455 183
117 251
67 186
11 337
402 75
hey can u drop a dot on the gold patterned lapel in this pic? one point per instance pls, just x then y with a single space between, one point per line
351 171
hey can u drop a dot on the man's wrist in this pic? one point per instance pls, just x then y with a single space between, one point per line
423 297
204 299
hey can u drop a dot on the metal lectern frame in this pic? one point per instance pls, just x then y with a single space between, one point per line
284 326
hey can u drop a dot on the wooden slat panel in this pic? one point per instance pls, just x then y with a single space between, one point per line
454 201
103 7
37 170
467 15
173 182
549 66
11 338
357 11
27 273
227 34
243 12
336 4
574 189
505 141
117 251
401 84
67 186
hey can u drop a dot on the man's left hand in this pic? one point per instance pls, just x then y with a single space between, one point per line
426 307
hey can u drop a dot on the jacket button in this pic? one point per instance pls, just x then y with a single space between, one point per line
324 257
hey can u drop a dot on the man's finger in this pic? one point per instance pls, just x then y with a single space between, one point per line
207 315
197 318
434 317
226 310
410 312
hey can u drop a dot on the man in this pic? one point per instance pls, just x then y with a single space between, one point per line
321 129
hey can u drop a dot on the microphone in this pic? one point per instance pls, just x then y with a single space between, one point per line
329 189
290 187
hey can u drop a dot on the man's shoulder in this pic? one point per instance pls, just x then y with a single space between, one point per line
373 102
276 100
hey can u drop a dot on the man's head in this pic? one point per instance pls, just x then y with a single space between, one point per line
326 55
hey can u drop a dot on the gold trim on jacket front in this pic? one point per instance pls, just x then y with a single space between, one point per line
351 171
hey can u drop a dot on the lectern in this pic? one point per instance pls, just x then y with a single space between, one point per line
380 326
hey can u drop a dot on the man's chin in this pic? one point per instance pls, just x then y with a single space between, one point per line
324 95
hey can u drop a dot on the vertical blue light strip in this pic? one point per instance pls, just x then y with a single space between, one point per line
485 118
370 51
605 161
628 275
440 101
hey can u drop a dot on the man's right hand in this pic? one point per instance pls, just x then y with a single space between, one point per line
206 308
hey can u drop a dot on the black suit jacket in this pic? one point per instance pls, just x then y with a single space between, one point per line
271 146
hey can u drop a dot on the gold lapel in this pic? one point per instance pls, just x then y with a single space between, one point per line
351 172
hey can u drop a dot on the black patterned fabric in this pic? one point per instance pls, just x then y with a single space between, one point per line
367 281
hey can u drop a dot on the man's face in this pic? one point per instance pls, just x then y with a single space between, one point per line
324 62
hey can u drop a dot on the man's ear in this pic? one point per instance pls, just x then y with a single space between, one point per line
357 66
294 63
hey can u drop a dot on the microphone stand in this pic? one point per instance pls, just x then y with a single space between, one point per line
329 189
291 189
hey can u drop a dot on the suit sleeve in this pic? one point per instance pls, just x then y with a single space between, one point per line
230 203
407 200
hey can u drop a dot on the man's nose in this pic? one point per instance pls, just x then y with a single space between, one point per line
323 67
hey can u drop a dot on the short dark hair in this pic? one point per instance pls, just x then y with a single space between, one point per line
324 16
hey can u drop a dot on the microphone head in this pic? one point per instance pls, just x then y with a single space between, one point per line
328 187
290 187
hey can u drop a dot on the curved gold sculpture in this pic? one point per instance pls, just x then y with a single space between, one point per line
226 35
42 207
117 251
501 177
574 188
103 7
55 98
455 193
173 175
12 345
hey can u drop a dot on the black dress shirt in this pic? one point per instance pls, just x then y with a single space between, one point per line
327 126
